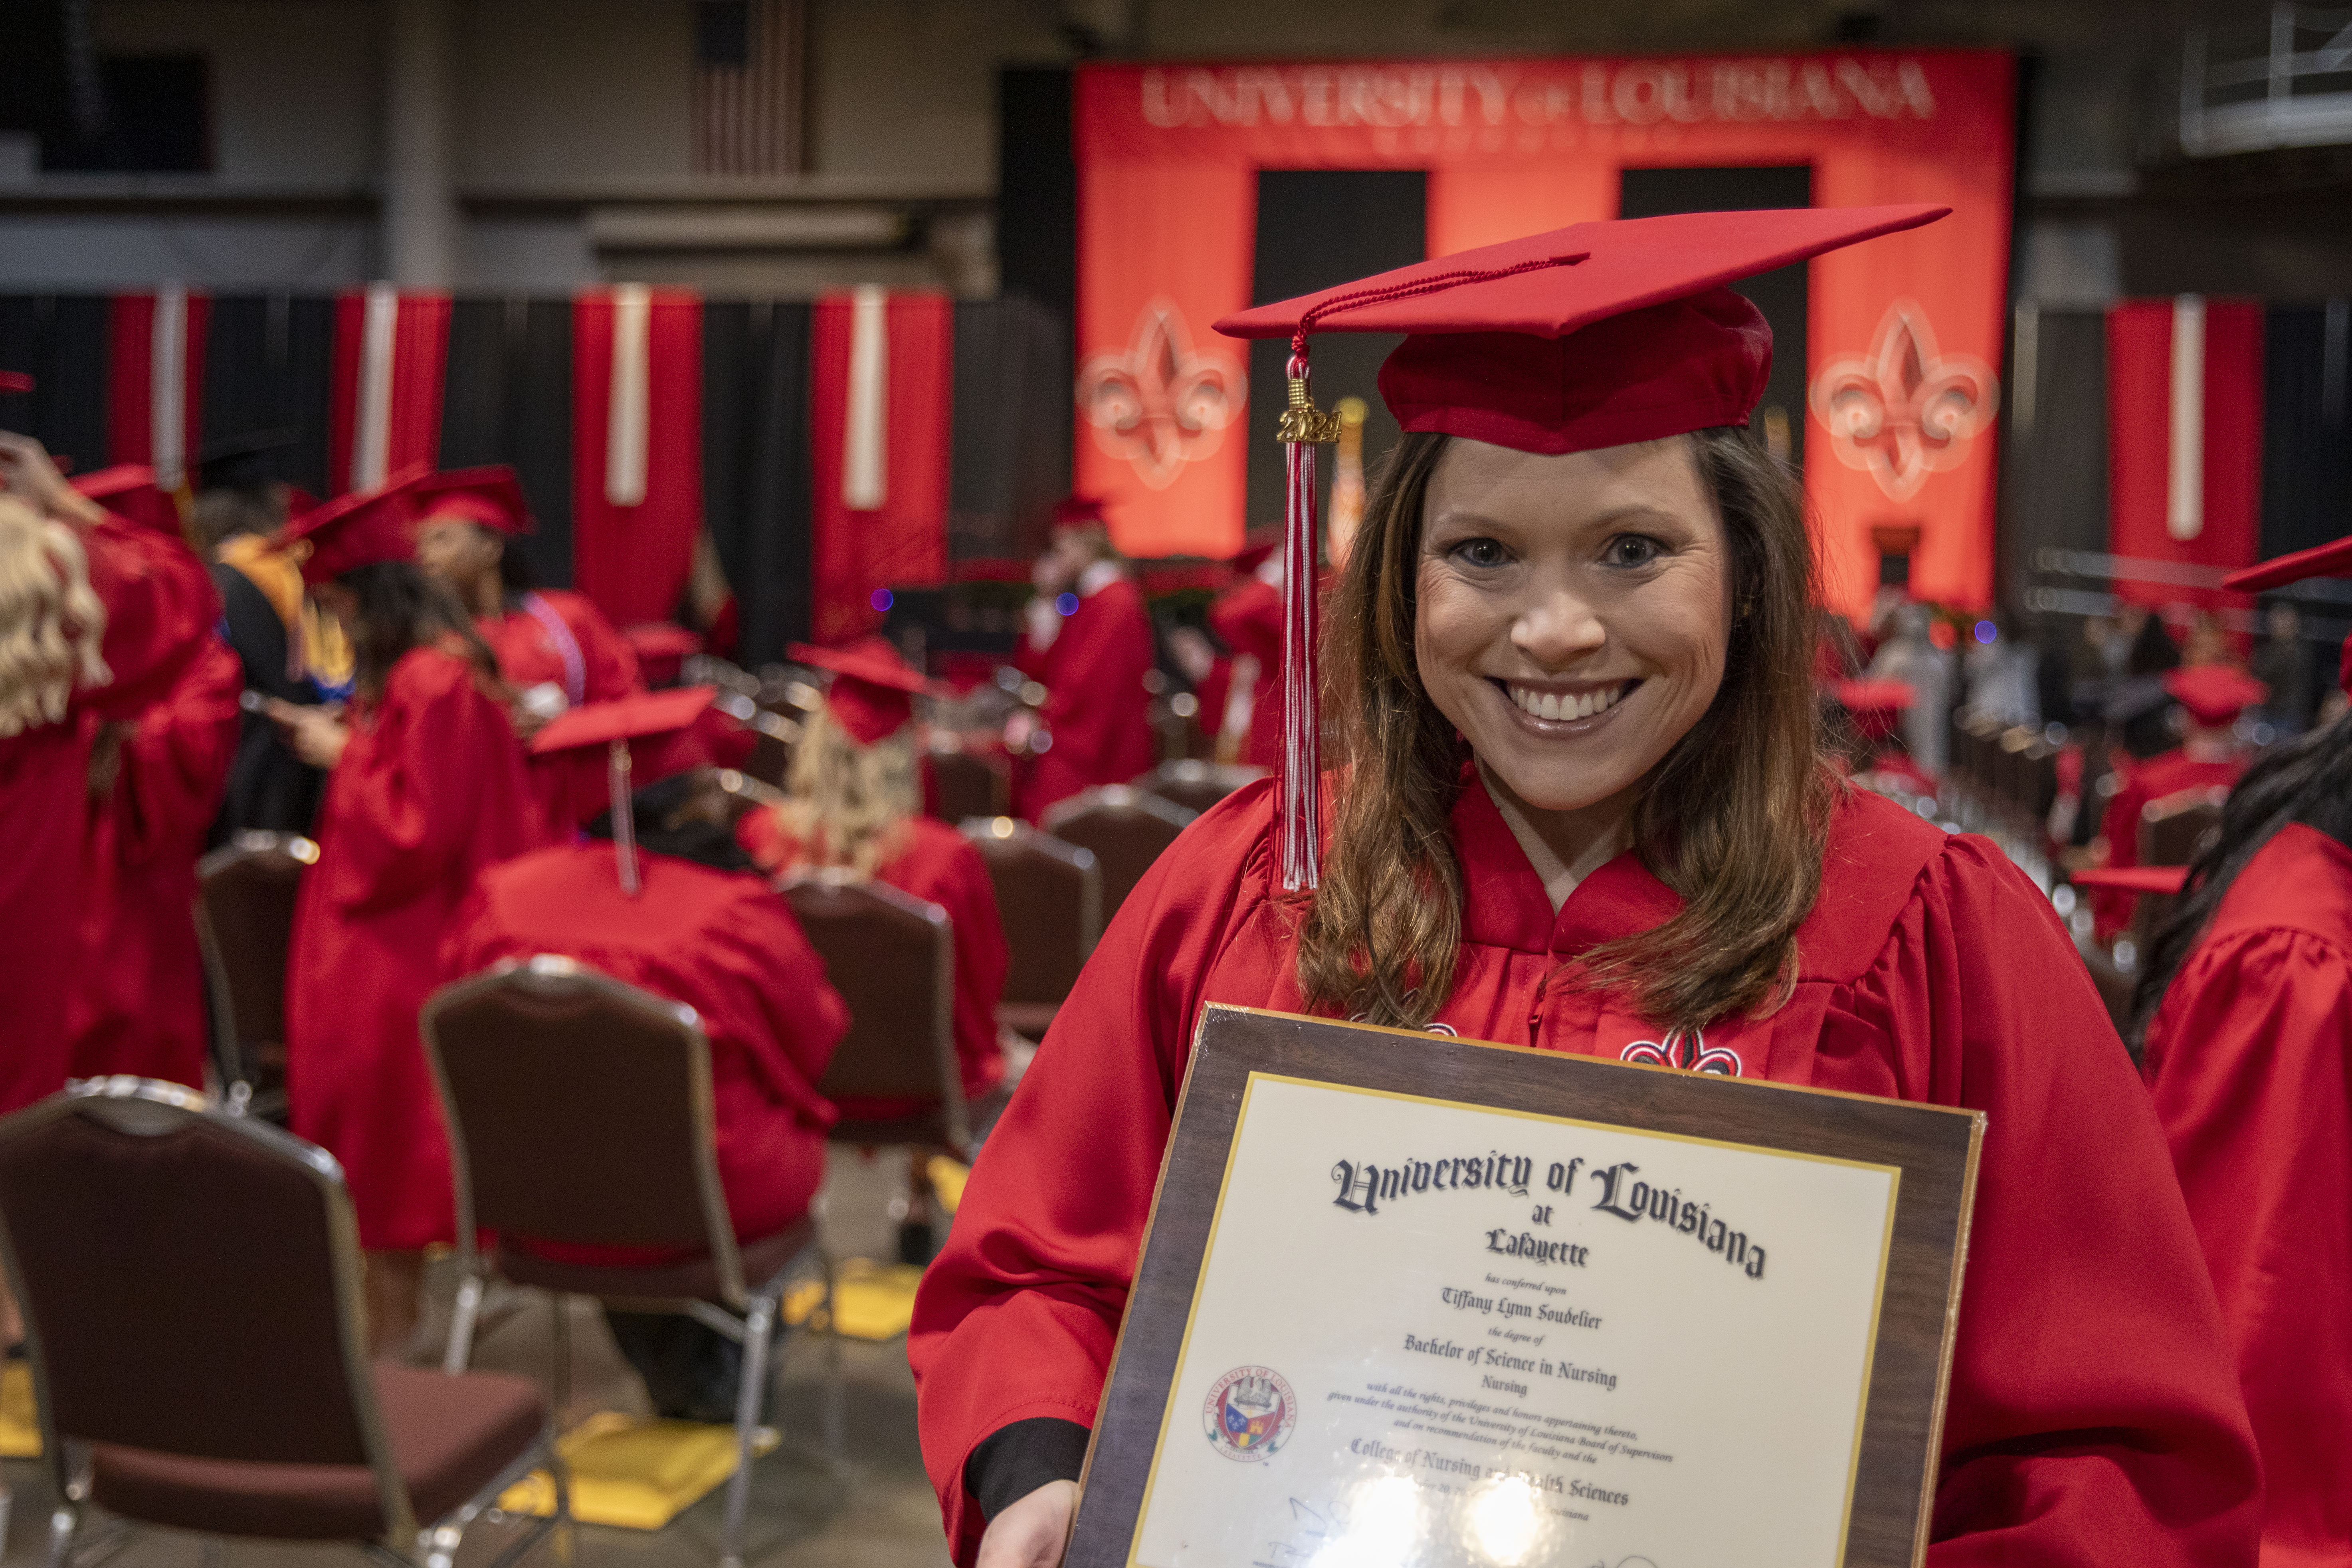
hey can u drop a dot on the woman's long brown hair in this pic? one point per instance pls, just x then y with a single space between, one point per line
1733 817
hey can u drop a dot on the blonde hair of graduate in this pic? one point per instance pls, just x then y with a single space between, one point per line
850 803
51 623
1734 818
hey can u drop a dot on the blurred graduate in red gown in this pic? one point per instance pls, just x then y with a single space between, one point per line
99 618
1088 642
2245 1011
155 785
427 790
1590 807
2209 756
680 912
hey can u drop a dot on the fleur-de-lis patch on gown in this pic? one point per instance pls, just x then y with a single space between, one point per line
1686 1049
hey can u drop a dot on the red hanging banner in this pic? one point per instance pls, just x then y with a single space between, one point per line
2184 441
155 380
1904 332
636 447
392 350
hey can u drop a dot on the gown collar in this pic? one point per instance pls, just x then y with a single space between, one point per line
1504 902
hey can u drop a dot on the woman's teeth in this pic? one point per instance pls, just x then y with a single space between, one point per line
1566 705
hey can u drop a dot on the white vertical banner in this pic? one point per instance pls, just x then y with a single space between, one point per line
865 440
627 413
2184 500
167 387
379 331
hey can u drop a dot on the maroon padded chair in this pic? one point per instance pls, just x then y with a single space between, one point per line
191 1283
1194 785
1049 898
892 959
969 783
580 1112
1126 829
244 920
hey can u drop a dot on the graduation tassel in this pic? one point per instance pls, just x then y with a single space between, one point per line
1303 425
624 821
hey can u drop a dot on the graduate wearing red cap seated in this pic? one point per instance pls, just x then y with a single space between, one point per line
155 785
1088 642
1877 707
2245 1009
2211 696
662 899
1247 615
857 804
425 791
1592 809
100 618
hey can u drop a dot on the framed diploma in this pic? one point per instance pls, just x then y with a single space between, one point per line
1408 1300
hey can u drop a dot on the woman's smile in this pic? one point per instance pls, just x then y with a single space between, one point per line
1562 708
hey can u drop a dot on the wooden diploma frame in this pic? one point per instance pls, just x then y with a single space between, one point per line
1407 1299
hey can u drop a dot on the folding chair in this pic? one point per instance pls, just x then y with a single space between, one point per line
244 920
623 1156
191 1283
1049 896
969 783
1126 828
1194 785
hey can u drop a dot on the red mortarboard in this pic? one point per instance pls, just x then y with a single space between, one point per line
128 489
2132 879
15 381
873 691
491 496
1072 511
1875 705
596 737
1250 560
357 529
2333 559
2214 694
1595 335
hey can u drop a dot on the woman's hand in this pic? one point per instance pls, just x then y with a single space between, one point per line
315 734
1032 1532
27 470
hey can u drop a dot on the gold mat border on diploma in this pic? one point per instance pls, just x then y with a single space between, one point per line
1934 1149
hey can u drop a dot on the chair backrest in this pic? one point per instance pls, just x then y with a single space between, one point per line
190 1281
746 795
1049 896
245 919
774 738
579 1111
892 959
1196 786
2175 827
1126 828
969 784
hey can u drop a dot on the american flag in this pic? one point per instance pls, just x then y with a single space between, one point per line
749 65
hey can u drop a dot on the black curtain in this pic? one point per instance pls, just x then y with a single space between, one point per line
61 340
2307 458
508 399
268 363
1010 450
755 466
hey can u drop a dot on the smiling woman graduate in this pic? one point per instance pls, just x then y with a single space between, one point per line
1584 805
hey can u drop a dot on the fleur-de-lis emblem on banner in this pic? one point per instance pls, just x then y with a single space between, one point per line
1904 410
1160 403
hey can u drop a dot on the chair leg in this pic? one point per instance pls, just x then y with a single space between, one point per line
461 1325
757 1324
65 1523
836 1442
559 1393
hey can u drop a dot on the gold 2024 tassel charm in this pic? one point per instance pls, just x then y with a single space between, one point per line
1302 421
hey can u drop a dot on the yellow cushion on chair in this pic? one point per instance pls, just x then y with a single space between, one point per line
20 1418
638 1475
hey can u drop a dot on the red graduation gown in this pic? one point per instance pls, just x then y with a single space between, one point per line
581 655
2166 774
2249 1061
2092 1417
1249 615
720 942
938 865
1096 709
140 1008
160 609
429 793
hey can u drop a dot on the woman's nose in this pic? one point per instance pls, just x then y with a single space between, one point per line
1557 628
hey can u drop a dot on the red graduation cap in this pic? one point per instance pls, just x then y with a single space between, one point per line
1875 705
2214 694
873 691
2132 879
491 495
1255 556
128 489
659 723
2333 559
15 381
1595 335
357 529
1076 510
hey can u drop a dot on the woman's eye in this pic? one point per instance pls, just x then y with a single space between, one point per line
1632 550
1480 553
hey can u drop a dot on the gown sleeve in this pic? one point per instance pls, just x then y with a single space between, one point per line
175 764
766 986
2094 1417
2251 1065
612 663
160 611
1017 1316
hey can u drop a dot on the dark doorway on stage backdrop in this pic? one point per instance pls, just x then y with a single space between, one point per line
1318 228
1654 193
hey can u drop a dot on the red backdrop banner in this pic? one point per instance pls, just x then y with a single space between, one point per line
633 558
132 354
412 415
902 541
1904 332
2215 387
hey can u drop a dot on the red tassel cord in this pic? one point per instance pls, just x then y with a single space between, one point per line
1302 770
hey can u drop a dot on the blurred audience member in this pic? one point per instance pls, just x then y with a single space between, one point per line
2207 643
2209 757
2283 664
1909 656
1088 642
2000 672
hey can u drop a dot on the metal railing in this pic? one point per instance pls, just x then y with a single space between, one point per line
2245 90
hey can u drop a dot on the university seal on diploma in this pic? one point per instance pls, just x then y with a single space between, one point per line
1527 1308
